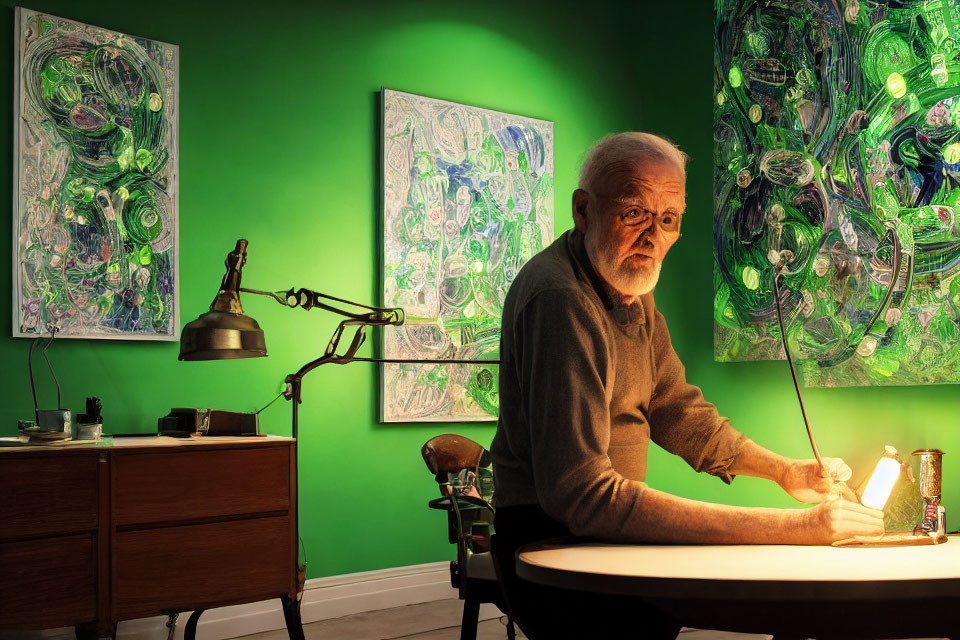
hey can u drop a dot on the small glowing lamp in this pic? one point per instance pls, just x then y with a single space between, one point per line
896 85
881 482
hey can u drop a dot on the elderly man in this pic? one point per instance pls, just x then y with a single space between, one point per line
589 377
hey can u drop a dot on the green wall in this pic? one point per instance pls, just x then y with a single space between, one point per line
279 108
278 112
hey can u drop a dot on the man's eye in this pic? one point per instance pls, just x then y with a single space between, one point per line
667 220
632 214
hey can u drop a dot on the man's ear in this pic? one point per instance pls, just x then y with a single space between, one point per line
580 201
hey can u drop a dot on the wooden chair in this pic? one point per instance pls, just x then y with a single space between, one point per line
462 469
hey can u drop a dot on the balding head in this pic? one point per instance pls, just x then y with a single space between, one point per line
620 154
629 206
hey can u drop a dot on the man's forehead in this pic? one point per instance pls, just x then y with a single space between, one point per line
651 193
644 186
643 179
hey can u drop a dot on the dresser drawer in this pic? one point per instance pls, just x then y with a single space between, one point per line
176 486
48 494
201 566
48 583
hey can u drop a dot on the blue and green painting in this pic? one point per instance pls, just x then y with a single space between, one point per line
837 163
468 198
95 220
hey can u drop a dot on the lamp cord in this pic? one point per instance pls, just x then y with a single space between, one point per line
279 395
33 386
53 333
793 371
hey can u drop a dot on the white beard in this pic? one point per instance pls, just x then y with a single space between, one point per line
630 281
635 282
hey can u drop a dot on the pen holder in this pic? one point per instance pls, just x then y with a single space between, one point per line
88 431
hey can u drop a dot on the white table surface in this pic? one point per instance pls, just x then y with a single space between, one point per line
747 571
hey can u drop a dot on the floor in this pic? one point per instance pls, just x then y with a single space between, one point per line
434 621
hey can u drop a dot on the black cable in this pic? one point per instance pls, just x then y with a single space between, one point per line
423 361
270 403
304 592
793 371
53 333
33 386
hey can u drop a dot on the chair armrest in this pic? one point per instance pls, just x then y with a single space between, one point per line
443 504
464 502
476 503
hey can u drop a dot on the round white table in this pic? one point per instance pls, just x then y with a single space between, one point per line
868 592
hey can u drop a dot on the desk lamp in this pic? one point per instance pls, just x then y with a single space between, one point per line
225 333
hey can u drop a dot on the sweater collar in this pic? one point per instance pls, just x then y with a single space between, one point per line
626 315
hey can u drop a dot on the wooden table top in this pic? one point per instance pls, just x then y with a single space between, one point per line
747 571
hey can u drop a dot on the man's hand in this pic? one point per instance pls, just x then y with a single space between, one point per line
806 480
837 519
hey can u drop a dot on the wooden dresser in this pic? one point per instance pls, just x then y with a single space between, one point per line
91 535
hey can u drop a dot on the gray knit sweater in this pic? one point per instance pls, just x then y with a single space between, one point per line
585 385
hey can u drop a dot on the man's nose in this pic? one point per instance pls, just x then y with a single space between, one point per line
645 236
646 224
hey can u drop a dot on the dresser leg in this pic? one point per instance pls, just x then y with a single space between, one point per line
86 631
190 631
90 631
291 614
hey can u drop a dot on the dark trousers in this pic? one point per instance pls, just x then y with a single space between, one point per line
549 613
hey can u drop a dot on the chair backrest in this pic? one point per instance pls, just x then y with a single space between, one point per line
449 453
463 470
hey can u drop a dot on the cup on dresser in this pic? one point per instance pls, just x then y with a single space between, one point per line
83 431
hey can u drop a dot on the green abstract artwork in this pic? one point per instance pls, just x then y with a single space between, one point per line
467 199
837 164
95 182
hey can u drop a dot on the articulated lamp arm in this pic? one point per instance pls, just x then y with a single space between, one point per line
308 299
225 332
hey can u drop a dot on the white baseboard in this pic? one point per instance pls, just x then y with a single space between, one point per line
323 598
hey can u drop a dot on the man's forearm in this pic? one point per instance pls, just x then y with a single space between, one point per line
759 462
667 518
806 480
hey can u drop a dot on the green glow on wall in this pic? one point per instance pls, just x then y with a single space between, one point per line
297 177
281 148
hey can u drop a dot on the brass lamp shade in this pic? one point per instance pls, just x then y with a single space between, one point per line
221 335
224 333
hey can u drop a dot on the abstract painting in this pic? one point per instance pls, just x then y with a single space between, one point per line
95 195
837 163
467 199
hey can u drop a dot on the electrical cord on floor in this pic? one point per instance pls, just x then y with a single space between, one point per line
303 550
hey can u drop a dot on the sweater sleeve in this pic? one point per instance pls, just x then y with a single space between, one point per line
681 420
564 364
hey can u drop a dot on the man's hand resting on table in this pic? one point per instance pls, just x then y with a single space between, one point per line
806 480
837 519
832 520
